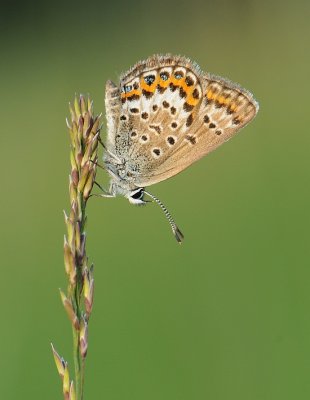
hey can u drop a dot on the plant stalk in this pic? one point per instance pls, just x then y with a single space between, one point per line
84 132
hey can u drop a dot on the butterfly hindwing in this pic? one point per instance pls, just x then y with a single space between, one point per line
225 109
169 114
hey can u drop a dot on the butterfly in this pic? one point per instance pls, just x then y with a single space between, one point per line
164 115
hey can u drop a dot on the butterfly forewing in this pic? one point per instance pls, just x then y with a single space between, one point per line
113 107
169 114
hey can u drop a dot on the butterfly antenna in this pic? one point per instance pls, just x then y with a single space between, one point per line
176 231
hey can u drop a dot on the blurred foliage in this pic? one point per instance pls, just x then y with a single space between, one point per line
224 316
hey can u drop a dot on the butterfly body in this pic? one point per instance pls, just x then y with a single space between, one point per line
164 115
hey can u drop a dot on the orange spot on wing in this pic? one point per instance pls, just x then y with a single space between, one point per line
165 83
186 89
131 93
143 85
177 82
149 88
211 95
191 101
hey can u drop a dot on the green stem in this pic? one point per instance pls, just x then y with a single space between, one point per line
76 300
82 377
77 364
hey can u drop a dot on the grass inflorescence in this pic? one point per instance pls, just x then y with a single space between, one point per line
84 129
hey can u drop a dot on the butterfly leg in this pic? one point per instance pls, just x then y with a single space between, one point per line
101 142
103 195
97 164
108 151
110 193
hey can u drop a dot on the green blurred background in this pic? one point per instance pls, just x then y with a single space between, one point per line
227 314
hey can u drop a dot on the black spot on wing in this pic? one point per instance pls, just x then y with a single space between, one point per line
189 120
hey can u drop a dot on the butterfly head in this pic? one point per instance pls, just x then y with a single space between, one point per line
136 196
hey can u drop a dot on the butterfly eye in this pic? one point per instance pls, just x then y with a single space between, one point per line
137 195
149 79
164 76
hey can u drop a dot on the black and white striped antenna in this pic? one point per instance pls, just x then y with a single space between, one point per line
176 231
